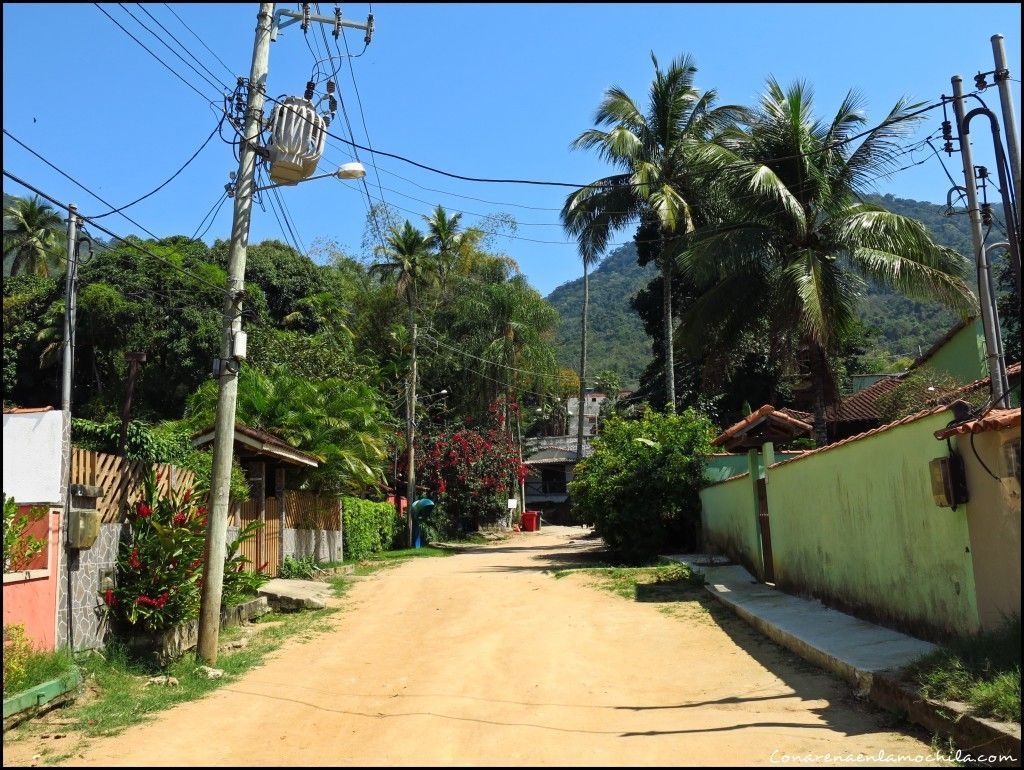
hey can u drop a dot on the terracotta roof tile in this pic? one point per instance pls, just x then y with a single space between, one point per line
994 419
889 426
27 409
862 405
768 412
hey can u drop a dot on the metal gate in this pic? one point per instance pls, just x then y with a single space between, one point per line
766 531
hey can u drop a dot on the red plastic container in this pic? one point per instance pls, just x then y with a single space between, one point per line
530 521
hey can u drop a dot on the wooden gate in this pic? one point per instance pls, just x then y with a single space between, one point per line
766 532
263 549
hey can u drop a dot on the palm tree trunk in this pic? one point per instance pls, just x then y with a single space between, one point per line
819 373
666 309
583 360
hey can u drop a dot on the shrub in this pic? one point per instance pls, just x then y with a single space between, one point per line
19 548
160 561
302 568
26 667
639 489
369 527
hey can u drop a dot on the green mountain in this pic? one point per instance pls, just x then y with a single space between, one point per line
617 341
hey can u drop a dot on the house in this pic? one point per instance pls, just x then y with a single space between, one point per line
960 354
550 469
591 411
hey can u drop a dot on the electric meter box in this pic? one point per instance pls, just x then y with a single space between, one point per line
83 527
949 481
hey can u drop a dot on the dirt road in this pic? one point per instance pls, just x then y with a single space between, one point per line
481 658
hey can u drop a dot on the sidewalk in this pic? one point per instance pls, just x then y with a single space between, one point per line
851 648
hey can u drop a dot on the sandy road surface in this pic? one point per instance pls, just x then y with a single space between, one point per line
481 658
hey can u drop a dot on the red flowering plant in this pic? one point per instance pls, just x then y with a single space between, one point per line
160 559
471 473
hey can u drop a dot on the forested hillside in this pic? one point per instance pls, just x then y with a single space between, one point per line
903 327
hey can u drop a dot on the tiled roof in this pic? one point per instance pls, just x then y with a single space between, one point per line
261 436
862 404
796 414
1013 370
955 406
27 409
994 419
767 412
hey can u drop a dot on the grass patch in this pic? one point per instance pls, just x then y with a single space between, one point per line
122 697
659 583
388 559
36 668
983 671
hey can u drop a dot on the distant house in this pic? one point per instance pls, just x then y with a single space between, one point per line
591 411
550 469
960 353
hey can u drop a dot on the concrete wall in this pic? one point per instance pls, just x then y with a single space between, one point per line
30 596
82 623
322 544
993 519
32 456
729 521
856 526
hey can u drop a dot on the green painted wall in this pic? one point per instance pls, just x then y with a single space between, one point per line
729 521
963 356
721 467
857 526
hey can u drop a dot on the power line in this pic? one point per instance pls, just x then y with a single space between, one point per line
162 185
182 46
112 234
215 210
168 66
541 375
186 26
168 46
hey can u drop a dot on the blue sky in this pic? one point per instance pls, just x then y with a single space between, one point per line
481 90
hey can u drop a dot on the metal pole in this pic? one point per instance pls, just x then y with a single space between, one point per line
1002 78
71 285
977 241
410 429
583 360
223 442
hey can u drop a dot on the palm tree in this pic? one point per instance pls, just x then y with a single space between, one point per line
660 153
798 237
33 237
445 239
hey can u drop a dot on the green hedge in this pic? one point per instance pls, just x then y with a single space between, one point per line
369 527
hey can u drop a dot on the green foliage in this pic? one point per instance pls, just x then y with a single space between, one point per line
33 237
922 388
242 578
983 670
369 527
25 667
302 568
19 548
168 442
27 314
639 489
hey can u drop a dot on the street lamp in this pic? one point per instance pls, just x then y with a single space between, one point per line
354 170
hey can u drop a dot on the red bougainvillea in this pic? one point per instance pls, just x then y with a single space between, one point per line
472 471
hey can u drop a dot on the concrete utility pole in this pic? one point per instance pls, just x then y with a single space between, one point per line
1002 78
224 436
990 321
410 426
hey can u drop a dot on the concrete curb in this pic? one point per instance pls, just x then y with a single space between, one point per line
41 698
972 734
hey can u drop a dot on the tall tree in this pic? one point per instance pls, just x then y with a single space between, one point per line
661 153
798 237
33 237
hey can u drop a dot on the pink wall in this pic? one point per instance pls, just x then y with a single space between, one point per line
33 603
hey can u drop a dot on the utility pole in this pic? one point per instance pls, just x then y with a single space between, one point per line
990 321
231 347
70 303
135 360
410 425
1002 78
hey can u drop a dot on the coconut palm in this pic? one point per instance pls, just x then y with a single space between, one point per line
33 237
660 153
445 238
798 238
405 252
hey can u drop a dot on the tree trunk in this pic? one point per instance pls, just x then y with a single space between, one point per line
666 305
583 361
819 373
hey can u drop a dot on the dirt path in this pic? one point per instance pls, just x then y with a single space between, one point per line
480 658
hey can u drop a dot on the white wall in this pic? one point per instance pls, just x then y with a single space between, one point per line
32 456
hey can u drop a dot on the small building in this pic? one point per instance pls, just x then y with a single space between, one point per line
550 470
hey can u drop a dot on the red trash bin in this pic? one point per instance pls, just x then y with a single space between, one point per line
530 520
